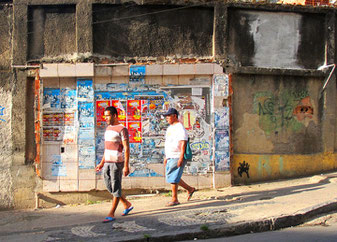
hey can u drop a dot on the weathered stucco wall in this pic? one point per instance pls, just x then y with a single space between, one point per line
282 119
276 115
6 181
118 32
276 128
5 33
51 31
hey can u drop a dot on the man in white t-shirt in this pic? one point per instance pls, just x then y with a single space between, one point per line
175 145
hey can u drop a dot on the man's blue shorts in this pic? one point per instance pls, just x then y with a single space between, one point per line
173 172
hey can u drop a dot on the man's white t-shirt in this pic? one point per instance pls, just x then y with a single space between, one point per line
174 134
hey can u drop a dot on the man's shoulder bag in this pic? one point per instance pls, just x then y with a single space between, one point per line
188 151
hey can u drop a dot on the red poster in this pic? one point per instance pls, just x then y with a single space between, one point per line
47 119
120 108
134 110
135 132
100 107
57 134
58 119
69 119
48 134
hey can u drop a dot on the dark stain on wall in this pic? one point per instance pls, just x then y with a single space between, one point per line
312 46
131 30
51 31
30 128
269 39
241 46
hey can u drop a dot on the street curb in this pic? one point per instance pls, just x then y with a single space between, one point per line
265 225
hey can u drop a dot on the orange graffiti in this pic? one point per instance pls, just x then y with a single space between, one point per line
304 109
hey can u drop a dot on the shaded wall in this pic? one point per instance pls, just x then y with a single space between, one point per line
5 33
51 31
131 30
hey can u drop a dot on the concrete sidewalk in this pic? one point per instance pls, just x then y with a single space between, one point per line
228 211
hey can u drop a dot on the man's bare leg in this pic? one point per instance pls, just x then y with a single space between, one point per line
174 188
186 186
126 203
115 201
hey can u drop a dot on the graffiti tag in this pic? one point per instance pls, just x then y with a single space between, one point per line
298 95
202 145
243 168
280 114
284 110
2 113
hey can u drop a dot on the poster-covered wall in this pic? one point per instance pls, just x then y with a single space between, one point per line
73 126
221 122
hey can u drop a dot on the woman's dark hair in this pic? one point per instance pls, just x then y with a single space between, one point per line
112 109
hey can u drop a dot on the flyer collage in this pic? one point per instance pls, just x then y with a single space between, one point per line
86 120
137 114
59 123
221 124
76 117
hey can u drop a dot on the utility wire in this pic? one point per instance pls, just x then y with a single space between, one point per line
156 12
126 6
117 7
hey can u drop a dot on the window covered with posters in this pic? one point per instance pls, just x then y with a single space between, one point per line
73 126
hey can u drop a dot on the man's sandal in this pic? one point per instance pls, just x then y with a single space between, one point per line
127 211
191 194
170 204
108 220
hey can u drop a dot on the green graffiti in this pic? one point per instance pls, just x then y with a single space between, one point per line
298 95
276 111
281 165
264 167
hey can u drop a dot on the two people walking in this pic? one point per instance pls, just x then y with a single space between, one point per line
115 161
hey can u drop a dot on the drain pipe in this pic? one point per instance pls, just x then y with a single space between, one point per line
115 64
26 66
332 70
